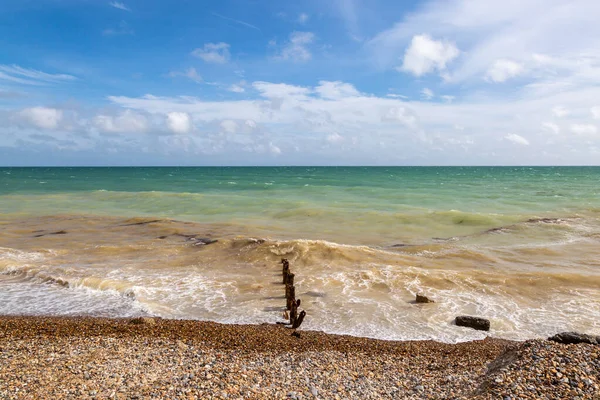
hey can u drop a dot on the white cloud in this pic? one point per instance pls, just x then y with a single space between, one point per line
237 87
425 55
274 149
127 121
189 73
296 49
336 90
448 98
551 127
120 6
16 74
216 53
502 70
595 112
584 129
399 114
560 111
334 138
427 93
303 18
396 96
280 90
295 116
518 139
487 31
43 117
229 126
179 122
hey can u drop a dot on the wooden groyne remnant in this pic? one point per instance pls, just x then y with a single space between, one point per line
292 304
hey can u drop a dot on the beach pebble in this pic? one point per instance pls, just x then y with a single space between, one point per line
192 359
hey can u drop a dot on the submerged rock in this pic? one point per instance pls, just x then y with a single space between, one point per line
575 338
423 299
203 241
480 324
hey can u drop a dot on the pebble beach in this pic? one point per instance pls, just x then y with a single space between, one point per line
145 358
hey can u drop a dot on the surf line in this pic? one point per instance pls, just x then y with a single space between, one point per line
292 304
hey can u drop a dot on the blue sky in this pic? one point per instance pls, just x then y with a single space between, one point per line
338 82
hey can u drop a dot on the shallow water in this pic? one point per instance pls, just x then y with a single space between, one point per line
519 246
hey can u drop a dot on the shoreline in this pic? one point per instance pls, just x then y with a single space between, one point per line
104 358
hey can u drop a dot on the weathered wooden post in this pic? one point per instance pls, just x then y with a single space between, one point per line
286 269
290 296
290 279
294 311
299 320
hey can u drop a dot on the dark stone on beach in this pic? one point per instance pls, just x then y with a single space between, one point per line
575 338
162 237
144 321
480 324
423 299
296 334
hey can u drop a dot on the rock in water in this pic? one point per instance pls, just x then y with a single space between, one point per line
423 299
480 324
575 338
203 241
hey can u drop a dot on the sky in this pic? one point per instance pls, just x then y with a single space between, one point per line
304 82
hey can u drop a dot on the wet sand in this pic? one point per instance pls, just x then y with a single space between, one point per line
76 358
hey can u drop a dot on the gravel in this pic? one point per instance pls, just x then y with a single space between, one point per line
85 358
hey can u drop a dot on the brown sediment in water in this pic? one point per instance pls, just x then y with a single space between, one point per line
52 357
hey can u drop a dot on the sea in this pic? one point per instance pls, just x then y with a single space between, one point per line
519 246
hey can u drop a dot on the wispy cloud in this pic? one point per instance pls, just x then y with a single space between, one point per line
297 48
189 73
303 18
427 93
237 21
122 29
216 53
16 74
120 6
9 94
348 10
237 87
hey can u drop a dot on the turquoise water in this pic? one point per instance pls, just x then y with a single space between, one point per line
317 202
519 246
